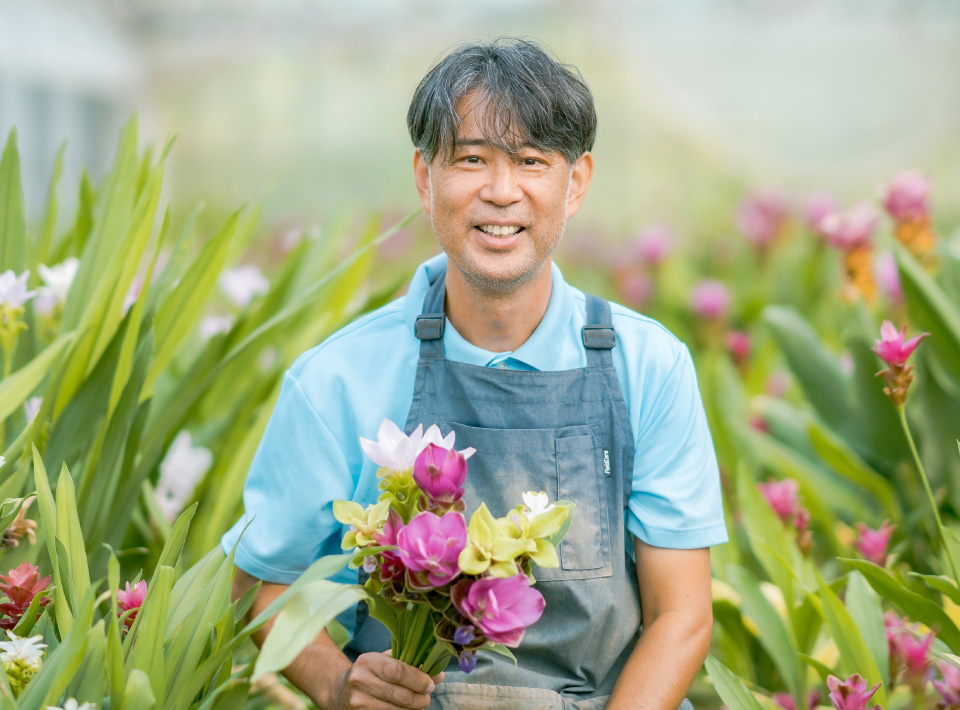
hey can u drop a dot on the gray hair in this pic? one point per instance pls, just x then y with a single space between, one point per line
522 96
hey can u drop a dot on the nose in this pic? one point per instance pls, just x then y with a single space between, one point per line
502 185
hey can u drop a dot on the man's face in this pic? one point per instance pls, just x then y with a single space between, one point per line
499 216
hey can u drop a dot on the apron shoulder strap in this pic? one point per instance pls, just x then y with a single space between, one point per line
598 335
431 321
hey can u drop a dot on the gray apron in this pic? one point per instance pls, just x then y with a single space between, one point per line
567 433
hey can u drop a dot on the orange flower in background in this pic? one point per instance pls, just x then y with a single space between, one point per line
905 198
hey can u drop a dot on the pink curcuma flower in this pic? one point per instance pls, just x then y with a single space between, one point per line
887 277
429 546
892 348
818 206
635 289
782 497
893 625
786 701
739 345
872 544
131 598
392 566
852 693
710 299
440 474
949 687
501 607
915 654
20 586
851 229
653 244
905 196
761 217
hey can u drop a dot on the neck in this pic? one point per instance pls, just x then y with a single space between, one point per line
499 322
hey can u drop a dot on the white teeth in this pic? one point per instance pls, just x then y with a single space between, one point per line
498 231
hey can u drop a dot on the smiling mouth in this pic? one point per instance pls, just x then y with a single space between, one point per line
496 230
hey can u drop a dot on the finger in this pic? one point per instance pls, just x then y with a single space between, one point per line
369 691
438 678
388 652
403 674
398 696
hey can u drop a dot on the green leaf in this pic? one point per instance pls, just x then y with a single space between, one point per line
138 694
48 518
25 625
13 224
944 585
931 310
817 370
845 462
90 682
775 636
50 213
500 650
145 652
730 688
864 608
15 388
68 531
855 655
822 670
913 605
303 617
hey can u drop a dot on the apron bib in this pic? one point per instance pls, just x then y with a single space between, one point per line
567 433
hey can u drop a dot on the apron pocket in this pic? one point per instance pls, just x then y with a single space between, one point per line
565 463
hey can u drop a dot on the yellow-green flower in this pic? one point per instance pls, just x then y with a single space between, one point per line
488 548
532 524
363 523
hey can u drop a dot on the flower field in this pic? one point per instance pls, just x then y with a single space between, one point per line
142 355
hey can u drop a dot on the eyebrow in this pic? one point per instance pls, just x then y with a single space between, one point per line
483 142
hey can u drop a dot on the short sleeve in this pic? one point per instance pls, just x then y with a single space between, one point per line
675 501
296 474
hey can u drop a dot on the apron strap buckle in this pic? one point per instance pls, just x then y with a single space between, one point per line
429 326
599 337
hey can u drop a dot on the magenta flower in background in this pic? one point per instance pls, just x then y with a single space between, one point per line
440 474
782 497
852 693
429 546
915 654
761 217
131 598
892 348
850 229
819 205
786 701
635 289
905 196
502 608
872 544
739 345
653 244
778 383
886 275
949 687
710 299
893 625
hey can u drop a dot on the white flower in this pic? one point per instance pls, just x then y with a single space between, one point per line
394 450
432 436
31 407
24 651
3 460
242 284
536 504
180 471
72 704
57 280
13 288
211 325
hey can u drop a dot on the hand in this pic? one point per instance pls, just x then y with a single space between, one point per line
376 681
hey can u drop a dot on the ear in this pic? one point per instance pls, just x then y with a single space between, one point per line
421 176
579 182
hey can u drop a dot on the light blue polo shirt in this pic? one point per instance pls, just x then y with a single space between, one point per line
341 389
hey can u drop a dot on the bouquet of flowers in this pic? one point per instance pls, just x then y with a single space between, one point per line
444 588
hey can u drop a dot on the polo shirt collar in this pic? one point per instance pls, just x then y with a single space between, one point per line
539 352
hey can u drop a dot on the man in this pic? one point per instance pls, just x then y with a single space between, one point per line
557 391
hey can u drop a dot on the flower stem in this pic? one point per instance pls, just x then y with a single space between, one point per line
926 486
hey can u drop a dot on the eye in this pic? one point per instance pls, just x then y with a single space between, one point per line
470 159
532 161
